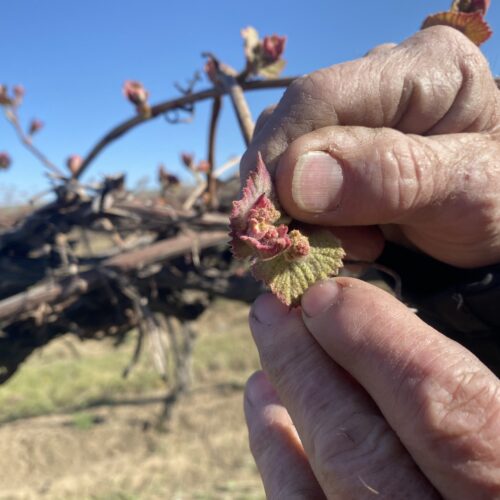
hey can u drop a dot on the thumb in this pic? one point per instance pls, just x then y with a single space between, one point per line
346 176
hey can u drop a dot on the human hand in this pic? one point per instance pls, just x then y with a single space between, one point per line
368 401
381 401
408 136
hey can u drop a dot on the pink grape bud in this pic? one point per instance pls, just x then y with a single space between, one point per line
74 163
203 166
481 5
273 47
469 6
300 246
35 126
187 159
211 70
18 94
5 160
135 92
4 98
166 178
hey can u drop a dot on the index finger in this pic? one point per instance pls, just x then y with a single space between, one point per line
419 86
438 397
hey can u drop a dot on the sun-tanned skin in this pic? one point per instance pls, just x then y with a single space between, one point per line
358 395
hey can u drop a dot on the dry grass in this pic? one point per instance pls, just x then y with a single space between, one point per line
93 436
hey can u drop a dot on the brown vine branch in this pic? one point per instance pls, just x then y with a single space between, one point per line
27 142
240 107
63 289
211 180
201 188
227 77
160 109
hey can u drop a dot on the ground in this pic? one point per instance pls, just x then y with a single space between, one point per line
73 428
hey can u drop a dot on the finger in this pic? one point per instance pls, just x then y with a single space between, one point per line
380 48
351 449
262 119
363 176
276 446
435 82
440 400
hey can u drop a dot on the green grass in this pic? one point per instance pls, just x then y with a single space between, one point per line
70 376
83 421
59 381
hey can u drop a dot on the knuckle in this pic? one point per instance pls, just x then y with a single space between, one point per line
470 59
260 439
361 441
408 176
307 95
263 119
380 49
445 37
458 408
416 179
288 367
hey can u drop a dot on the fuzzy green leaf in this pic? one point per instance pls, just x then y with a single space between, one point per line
272 70
289 279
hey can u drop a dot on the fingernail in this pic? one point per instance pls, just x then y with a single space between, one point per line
259 390
320 297
317 182
268 310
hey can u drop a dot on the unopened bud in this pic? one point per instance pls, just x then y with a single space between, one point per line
187 159
135 92
35 126
211 70
166 178
203 166
273 47
5 160
470 6
4 97
74 163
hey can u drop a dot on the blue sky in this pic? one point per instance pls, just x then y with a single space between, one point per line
72 57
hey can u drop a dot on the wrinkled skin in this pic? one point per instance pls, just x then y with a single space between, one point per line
358 395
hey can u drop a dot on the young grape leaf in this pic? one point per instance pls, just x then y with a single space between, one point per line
289 279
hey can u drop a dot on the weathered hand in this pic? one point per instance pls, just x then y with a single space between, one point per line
381 402
408 136
405 143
